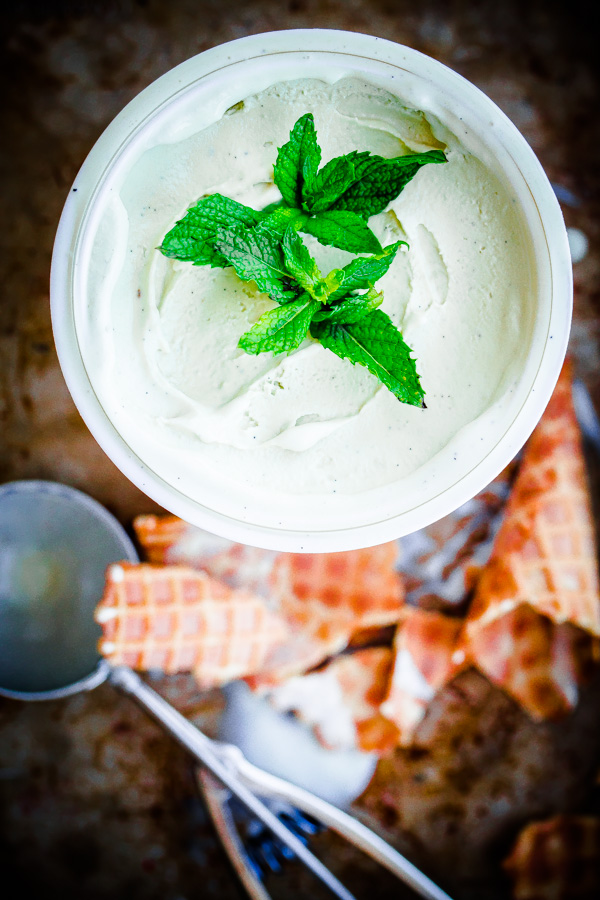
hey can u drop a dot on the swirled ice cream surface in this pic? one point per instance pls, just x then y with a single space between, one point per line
160 339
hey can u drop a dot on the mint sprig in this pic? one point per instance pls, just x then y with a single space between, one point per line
378 181
332 204
361 183
333 180
277 220
363 271
300 264
352 309
340 228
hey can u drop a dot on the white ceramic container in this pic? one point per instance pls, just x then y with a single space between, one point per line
218 78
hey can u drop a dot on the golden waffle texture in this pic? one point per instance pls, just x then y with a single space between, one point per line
544 554
363 678
335 594
178 619
542 576
325 598
557 859
423 664
170 541
341 701
158 535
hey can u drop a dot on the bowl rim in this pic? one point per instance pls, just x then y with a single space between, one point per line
106 434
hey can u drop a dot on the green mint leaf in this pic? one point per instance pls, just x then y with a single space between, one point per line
375 343
280 218
281 329
363 272
297 161
378 181
342 228
300 263
328 184
257 256
192 243
220 210
192 238
271 207
352 309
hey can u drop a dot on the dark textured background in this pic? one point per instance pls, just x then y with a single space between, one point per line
95 801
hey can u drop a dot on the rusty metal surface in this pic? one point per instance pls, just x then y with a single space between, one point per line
95 802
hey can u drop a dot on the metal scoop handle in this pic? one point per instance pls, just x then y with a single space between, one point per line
345 825
229 765
206 752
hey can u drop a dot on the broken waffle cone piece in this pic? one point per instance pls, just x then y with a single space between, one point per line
297 654
325 598
326 594
159 535
171 541
542 575
177 619
341 701
423 663
540 664
557 859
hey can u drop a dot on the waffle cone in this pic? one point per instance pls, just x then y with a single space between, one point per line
330 594
325 598
423 663
341 701
542 574
159 535
364 679
557 859
171 541
544 553
177 619
297 654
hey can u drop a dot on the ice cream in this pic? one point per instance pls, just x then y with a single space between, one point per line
159 337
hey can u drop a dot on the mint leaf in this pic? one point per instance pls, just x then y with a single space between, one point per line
257 256
297 161
280 329
378 181
217 209
343 229
352 309
192 238
193 243
280 218
363 272
329 183
300 263
375 343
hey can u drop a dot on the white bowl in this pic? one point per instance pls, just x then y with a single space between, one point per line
55 545
228 73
